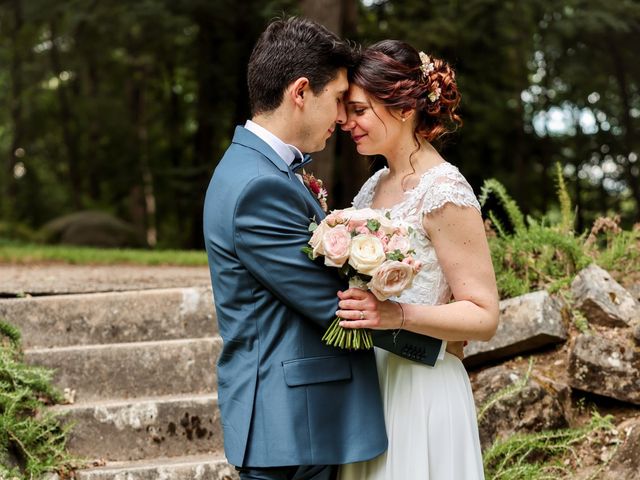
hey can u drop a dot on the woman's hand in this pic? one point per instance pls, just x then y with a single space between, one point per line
361 309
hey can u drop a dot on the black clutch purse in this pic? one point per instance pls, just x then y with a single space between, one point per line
409 345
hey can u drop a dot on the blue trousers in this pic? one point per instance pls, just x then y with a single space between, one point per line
303 472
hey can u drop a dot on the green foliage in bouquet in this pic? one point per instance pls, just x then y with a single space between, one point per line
536 254
30 437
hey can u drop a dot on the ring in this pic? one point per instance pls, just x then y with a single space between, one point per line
361 315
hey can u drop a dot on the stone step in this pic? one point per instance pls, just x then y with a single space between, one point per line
126 370
198 467
146 428
117 317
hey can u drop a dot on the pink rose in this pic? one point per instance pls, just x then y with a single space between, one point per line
360 217
399 242
415 264
316 239
334 218
391 279
336 244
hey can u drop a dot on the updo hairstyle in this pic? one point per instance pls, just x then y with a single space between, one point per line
398 76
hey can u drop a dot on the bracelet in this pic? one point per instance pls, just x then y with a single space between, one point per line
397 332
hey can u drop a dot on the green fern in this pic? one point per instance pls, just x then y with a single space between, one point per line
510 206
567 217
27 429
536 456
539 255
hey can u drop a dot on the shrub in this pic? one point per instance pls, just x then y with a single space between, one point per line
536 254
32 441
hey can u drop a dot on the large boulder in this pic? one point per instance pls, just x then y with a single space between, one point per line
634 290
91 228
603 300
527 322
511 401
625 463
608 367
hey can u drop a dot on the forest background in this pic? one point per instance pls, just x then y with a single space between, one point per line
125 107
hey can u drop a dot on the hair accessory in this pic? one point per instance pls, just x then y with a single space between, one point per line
427 65
435 94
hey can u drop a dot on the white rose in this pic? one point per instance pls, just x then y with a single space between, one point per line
367 254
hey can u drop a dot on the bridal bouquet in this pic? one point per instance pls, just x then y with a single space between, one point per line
369 250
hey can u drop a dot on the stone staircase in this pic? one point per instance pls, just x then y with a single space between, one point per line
140 367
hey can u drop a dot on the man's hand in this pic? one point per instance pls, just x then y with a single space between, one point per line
456 348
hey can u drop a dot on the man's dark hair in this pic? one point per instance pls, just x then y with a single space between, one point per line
289 49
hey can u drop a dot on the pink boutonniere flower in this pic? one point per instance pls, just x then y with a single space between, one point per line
316 187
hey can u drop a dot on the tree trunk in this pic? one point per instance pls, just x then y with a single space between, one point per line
15 107
621 78
140 121
67 124
329 13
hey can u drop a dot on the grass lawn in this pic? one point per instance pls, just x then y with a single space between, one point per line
24 254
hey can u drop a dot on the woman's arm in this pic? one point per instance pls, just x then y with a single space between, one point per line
458 236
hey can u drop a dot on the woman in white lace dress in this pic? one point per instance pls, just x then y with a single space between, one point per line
399 102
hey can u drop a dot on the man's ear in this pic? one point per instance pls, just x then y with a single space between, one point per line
298 89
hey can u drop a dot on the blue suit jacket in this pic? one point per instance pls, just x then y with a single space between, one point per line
285 397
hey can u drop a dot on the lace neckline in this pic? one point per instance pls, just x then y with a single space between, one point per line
407 193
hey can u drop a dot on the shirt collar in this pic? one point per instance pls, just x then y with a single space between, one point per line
287 152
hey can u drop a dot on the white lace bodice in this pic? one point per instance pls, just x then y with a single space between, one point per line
438 186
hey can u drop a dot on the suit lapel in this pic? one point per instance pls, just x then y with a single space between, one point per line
244 137
314 201
248 139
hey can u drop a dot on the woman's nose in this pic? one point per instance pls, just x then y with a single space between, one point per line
348 125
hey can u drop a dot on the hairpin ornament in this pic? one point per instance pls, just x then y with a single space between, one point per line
427 65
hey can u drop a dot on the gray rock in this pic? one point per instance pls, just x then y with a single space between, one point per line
508 402
603 300
625 463
634 290
92 228
605 367
527 322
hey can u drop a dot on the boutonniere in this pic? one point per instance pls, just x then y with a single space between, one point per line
316 187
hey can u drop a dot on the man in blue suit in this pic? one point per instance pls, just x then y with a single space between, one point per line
291 407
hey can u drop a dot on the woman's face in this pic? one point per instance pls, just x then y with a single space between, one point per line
372 126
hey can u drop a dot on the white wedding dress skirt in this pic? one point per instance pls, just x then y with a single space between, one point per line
431 423
429 411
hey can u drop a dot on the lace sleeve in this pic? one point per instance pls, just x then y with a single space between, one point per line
449 188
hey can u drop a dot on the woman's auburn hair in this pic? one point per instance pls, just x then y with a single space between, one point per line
393 73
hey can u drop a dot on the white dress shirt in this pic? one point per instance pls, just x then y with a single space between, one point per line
287 152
